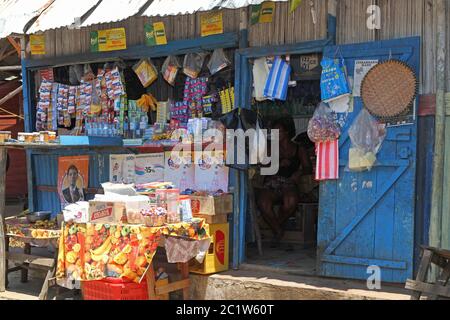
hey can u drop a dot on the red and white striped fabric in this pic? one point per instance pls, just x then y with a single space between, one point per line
327 166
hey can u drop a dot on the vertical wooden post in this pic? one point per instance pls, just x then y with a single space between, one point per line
151 284
3 156
184 268
439 152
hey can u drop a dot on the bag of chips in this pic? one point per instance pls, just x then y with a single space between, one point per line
219 61
193 63
170 69
146 72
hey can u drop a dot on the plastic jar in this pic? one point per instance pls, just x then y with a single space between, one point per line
173 214
44 136
5 135
185 208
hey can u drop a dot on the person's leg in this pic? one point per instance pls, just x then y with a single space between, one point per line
265 201
289 207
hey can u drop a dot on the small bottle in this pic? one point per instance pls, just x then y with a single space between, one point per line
125 128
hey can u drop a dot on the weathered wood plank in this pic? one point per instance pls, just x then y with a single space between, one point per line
3 273
422 287
174 286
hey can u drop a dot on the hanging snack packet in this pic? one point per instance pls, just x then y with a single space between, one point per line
170 69
146 72
323 126
367 136
193 63
219 61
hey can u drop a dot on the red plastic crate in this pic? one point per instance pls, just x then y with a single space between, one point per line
114 289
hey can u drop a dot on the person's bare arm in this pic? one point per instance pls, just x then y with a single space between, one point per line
305 167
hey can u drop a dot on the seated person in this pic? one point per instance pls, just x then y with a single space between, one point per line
282 188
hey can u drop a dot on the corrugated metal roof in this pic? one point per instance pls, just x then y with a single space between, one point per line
15 14
114 10
62 13
175 7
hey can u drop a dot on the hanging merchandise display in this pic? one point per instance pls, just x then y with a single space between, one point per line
389 89
146 72
193 63
260 74
327 164
218 61
278 80
170 69
334 83
367 136
227 100
323 125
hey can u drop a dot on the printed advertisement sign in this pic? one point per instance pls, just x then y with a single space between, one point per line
37 44
108 40
211 23
73 179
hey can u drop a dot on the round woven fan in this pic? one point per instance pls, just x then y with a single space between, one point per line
389 89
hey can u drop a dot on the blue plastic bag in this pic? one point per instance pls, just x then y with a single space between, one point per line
333 83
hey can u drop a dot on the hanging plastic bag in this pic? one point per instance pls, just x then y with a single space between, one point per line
170 69
334 82
193 63
146 72
323 125
367 136
218 61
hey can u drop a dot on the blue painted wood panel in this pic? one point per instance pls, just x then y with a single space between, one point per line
368 218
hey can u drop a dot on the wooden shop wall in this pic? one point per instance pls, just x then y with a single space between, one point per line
399 18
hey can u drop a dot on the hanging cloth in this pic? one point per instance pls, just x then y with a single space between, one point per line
260 74
278 81
327 165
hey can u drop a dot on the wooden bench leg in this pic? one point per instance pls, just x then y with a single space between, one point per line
442 280
24 275
6 261
425 262
44 291
151 283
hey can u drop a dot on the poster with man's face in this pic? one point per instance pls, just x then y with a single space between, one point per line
73 175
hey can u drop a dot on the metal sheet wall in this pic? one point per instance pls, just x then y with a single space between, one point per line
45 174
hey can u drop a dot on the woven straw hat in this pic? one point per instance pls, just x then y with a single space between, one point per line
389 89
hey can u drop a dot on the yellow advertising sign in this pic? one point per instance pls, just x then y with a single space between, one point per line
267 11
211 23
108 40
37 44
160 33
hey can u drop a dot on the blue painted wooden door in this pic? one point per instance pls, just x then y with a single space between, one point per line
368 218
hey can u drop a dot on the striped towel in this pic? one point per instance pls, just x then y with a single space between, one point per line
278 80
327 166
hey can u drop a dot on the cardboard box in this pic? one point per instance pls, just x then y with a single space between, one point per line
217 258
105 211
211 206
217 219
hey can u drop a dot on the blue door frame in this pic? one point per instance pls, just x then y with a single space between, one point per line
243 93
406 50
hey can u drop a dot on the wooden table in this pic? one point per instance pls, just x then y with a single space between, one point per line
441 289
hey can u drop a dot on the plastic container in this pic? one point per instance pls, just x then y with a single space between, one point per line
185 208
114 289
168 199
26 137
5 135
44 136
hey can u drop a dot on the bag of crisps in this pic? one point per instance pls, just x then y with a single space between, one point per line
146 72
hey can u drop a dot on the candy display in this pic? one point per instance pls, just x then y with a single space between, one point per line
155 216
323 125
